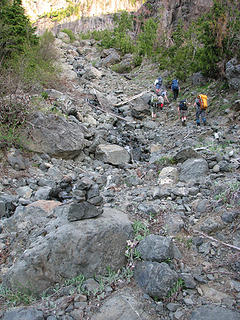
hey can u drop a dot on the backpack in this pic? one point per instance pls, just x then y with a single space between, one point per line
183 105
155 100
175 84
158 83
203 101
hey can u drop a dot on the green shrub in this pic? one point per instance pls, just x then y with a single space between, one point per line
207 44
147 38
70 34
121 68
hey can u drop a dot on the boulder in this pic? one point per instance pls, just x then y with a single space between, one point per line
92 73
113 154
156 248
68 249
55 136
236 106
67 72
139 108
110 57
212 312
23 313
125 304
193 169
82 210
168 176
16 160
7 204
186 153
63 36
156 279
198 79
233 73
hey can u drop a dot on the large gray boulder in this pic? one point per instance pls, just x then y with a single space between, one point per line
110 57
113 154
23 314
63 249
168 176
156 279
156 248
186 153
193 169
127 304
54 135
140 107
211 312
233 73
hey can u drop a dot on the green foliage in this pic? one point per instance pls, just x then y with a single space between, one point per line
14 112
176 288
70 34
147 38
231 196
207 44
140 230
16 31
60 14
15 298
163 161
121 68
24 71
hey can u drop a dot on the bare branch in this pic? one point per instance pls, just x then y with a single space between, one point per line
216 240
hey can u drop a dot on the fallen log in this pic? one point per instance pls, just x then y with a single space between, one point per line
132 98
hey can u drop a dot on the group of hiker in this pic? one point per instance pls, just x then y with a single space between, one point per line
159 98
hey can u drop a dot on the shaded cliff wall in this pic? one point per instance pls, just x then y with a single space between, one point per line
97 14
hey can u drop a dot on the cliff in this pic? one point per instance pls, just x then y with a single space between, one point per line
82 15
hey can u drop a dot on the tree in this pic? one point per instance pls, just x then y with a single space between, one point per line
16 31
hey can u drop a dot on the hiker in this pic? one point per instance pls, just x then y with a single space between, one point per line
182 110
201 105
158 83
156 101
164 95
175 88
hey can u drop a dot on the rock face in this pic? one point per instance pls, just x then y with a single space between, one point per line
68 249
55 136
233 73
98 13
173 11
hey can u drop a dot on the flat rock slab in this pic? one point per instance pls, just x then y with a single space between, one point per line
214 313
125 305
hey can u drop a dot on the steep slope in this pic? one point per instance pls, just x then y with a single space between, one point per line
180 189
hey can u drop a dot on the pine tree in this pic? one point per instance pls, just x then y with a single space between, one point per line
16 31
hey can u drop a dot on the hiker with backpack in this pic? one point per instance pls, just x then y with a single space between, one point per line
182 109
156 101
164 95
175 88
201 107
158 83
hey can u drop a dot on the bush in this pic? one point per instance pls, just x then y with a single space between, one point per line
207 44
121 68
70 34
14 111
